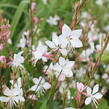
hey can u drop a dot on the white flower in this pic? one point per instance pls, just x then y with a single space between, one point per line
93 96
39 52
63 68
40 85
69 37
14 95
55 44
53 20
18 60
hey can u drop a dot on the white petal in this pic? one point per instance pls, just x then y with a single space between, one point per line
98 96
4 99
70 64
66 31
57 68
36 80
55 39
37 55
33 88
88 100
47 86
88 90
19 98
62 61
50 44
18 83
63 41
16 91
7 92
76 33
63 52
76 43
95 89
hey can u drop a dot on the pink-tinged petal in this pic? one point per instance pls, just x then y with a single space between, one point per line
88 100
61 77
50 44
66 31
80 87
95 89
98 96
4 99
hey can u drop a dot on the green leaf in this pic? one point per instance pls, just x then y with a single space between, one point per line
17 17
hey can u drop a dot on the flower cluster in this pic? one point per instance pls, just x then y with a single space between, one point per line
64 71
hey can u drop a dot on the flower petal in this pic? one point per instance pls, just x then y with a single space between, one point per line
88 90
88 100
62 61
66 31
55 39
76 43
76 33
50 44
95 89
98 96
4 99
47 86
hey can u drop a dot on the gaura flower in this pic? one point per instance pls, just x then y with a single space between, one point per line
53 20
18 60
80 88
40 53
69 37
40 85
63 68
55 44
14 95
93 96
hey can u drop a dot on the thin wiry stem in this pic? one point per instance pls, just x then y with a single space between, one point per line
99 58
76 12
